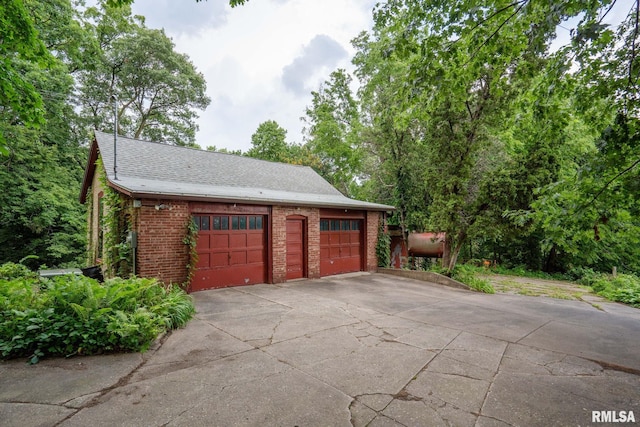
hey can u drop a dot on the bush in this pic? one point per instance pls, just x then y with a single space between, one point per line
71 314
623 288
10 271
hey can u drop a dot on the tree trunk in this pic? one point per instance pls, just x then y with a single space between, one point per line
452 249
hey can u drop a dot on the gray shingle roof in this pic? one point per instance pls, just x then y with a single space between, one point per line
153 169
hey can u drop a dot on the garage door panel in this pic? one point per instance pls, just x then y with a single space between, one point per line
219 259
254 256
255 239
203 260
219 241
238 257
231 250
341 244
203 242
324 238
238 240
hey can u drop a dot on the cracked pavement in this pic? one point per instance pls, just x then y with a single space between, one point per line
360 349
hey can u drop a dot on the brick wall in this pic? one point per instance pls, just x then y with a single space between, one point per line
161 252
373 222
279 216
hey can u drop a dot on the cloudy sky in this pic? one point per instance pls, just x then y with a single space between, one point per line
261 60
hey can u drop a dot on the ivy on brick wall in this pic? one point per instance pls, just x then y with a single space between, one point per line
383 247
191 239
116 223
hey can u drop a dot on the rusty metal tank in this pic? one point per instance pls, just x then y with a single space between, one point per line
426 244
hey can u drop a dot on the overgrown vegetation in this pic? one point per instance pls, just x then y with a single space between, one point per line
191 240
75 315
623 288
383 248
468 275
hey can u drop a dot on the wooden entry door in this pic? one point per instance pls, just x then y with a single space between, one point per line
295 249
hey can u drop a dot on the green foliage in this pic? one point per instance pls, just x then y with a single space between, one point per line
623 288
11 271
20 48
332 133
121 3
268 142
71 314
191 240
468 275
116 223
383 247
158 90
476 129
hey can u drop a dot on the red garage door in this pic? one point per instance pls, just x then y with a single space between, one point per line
231 251
340 246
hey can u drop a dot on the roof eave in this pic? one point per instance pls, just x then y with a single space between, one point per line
250 200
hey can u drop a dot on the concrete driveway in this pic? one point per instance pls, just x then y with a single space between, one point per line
363 349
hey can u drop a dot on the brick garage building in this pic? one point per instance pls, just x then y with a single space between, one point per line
258 221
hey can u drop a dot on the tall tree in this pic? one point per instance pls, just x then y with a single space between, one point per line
395 154
157 90
332 132
268 142
39 212
20 48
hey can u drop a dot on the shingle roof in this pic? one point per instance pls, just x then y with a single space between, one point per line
153 169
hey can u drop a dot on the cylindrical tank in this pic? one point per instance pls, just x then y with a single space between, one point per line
426 244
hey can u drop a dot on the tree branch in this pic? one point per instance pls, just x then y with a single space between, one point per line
599 193
495 32
488 18
633 52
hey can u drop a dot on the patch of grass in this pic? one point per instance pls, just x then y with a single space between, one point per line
467 275
536 289
69 315
523 272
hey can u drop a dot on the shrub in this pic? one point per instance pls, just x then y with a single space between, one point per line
10 271
623 288
71 314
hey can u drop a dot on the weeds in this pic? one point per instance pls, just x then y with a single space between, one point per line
623 288
467 275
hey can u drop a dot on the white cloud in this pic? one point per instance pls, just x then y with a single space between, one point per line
318 57
246 53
